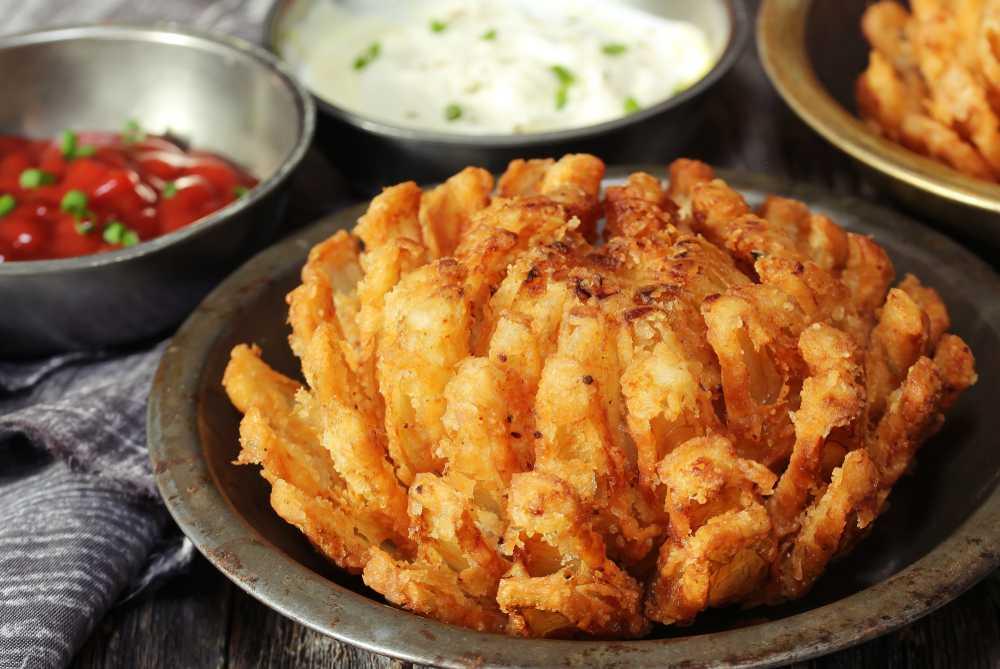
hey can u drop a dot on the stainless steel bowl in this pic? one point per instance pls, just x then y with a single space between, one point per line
220 94
813 53
373 154
940 534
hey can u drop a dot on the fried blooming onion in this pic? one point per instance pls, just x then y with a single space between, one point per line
508 427
933 80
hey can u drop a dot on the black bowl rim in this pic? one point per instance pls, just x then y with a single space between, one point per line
738 36
170 33
238 550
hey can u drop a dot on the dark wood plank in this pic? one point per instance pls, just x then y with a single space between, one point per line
961 634
200 620
260 637
184 624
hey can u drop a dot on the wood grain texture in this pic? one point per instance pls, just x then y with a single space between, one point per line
186 624
201 620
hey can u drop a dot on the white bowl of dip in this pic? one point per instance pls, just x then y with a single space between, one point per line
420 89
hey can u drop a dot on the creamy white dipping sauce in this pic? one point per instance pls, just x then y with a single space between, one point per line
494 67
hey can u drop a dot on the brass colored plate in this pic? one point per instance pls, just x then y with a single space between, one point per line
813 51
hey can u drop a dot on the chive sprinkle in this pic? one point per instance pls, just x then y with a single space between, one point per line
566 79
452 112
113 232
83 227
631 105
563 74
34 177
562 97
85 151
240 191
74 202
133 132
613 49
438 26
365 58
130 238
490 35
7 204
67 143
169 189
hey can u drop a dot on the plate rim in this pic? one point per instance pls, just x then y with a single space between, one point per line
781 45
239 551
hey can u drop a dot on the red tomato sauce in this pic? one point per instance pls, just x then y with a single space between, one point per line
89 192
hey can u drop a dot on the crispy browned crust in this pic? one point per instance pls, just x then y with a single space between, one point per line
509 427
933 81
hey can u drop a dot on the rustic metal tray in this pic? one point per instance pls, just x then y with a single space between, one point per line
940 535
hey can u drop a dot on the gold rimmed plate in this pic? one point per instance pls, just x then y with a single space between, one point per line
813 52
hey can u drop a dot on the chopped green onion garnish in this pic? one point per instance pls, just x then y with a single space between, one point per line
83 227
453 112
113 232
490 34
133 132
563 74
169 189
85 150
438 26
34 177
130 238
631 105
240 191
74 202
566 79
7 204
614 49
67 143
367 56
562 96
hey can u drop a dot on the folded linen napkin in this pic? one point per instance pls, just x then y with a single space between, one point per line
81 525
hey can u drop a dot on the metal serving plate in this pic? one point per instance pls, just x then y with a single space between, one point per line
220 94
813 52
940 535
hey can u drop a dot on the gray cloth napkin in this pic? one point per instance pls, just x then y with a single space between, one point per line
81 524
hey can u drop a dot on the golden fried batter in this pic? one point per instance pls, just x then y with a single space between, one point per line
933 80
507 426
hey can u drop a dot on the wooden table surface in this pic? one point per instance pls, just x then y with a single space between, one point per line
200 619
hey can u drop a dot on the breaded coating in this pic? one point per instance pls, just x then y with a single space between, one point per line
327 293
424 335
523 177
832 397
932 80
931 304
481 440
850 495
306 489
720 544
390 231
508 426
957 367
445 211
897 341
561 581
573 181
430 587
638 208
